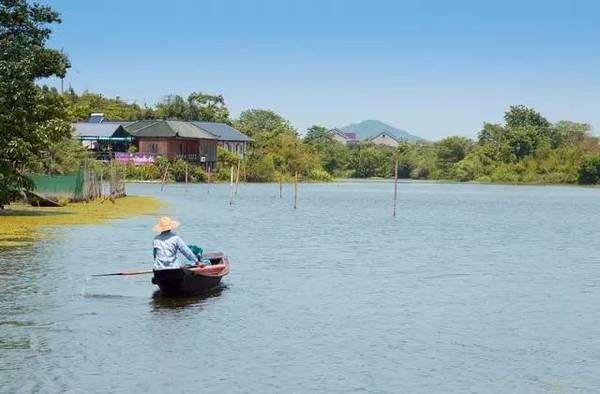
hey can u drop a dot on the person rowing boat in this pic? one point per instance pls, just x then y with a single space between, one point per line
174 278
167 244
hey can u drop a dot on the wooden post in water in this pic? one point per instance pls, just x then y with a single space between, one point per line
186 176
395 187
231 187
237 179
111 189
162 186
296 190
280 185
208 180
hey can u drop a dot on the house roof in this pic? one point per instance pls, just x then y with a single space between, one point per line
343 134
350 136
389 134
84 129
167 128
223 131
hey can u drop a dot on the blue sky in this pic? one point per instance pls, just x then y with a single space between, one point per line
434 68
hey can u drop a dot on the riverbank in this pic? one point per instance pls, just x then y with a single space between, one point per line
19 223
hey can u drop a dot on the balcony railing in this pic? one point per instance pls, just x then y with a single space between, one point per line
145 158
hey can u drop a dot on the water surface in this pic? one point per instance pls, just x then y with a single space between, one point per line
472 288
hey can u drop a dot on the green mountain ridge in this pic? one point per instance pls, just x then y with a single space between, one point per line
372 127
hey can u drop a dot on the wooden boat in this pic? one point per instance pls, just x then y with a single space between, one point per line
39 200
193 280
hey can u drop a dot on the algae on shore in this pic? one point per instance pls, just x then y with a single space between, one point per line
19 222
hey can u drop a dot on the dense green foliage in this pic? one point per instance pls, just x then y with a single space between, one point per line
276 150
589 173
175 171
31 117
526 149
198 106
60 158
81 106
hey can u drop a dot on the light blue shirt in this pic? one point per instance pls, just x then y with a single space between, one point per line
166 246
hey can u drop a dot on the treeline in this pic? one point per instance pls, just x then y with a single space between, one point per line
197 106
526 148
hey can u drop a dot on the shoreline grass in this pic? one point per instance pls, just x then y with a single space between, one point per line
19 223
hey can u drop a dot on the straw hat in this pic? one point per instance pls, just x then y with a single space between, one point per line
165 224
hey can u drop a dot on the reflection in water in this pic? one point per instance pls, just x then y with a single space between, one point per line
161 301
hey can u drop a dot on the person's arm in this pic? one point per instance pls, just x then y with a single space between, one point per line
183 248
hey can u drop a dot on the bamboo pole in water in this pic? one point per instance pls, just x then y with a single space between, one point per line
162 186
208 180
281 185
237 179
186 176
231 187
296 190
395 187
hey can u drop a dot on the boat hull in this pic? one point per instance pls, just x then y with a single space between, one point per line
192 281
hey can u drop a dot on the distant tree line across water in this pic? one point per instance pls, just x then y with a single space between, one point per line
526 148
36 126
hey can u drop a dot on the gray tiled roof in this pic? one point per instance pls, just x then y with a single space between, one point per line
223 131
389 134
167 128
95 129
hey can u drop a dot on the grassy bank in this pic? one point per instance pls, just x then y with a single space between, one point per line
19 223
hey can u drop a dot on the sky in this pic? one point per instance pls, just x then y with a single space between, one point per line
431 67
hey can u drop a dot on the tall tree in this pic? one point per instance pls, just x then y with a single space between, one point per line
208 107
450 151
173 106
317 135
569 133
198 106
31 118
260 123
81 106
521 116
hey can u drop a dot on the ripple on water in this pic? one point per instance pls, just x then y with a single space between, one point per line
475 288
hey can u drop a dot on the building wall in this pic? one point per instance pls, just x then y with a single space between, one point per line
238 147
339 138
208 149
191 149
159 146
384 139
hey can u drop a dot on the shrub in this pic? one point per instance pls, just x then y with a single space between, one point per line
589 171
261 169
319 175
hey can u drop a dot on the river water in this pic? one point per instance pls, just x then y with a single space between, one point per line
472 288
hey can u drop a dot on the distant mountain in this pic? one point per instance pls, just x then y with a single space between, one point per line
370 128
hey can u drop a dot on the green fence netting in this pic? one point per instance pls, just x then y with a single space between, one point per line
68 185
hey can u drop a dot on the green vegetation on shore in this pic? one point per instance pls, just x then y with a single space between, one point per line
19 224
527 148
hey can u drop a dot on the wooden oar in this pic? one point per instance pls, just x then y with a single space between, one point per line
139 272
